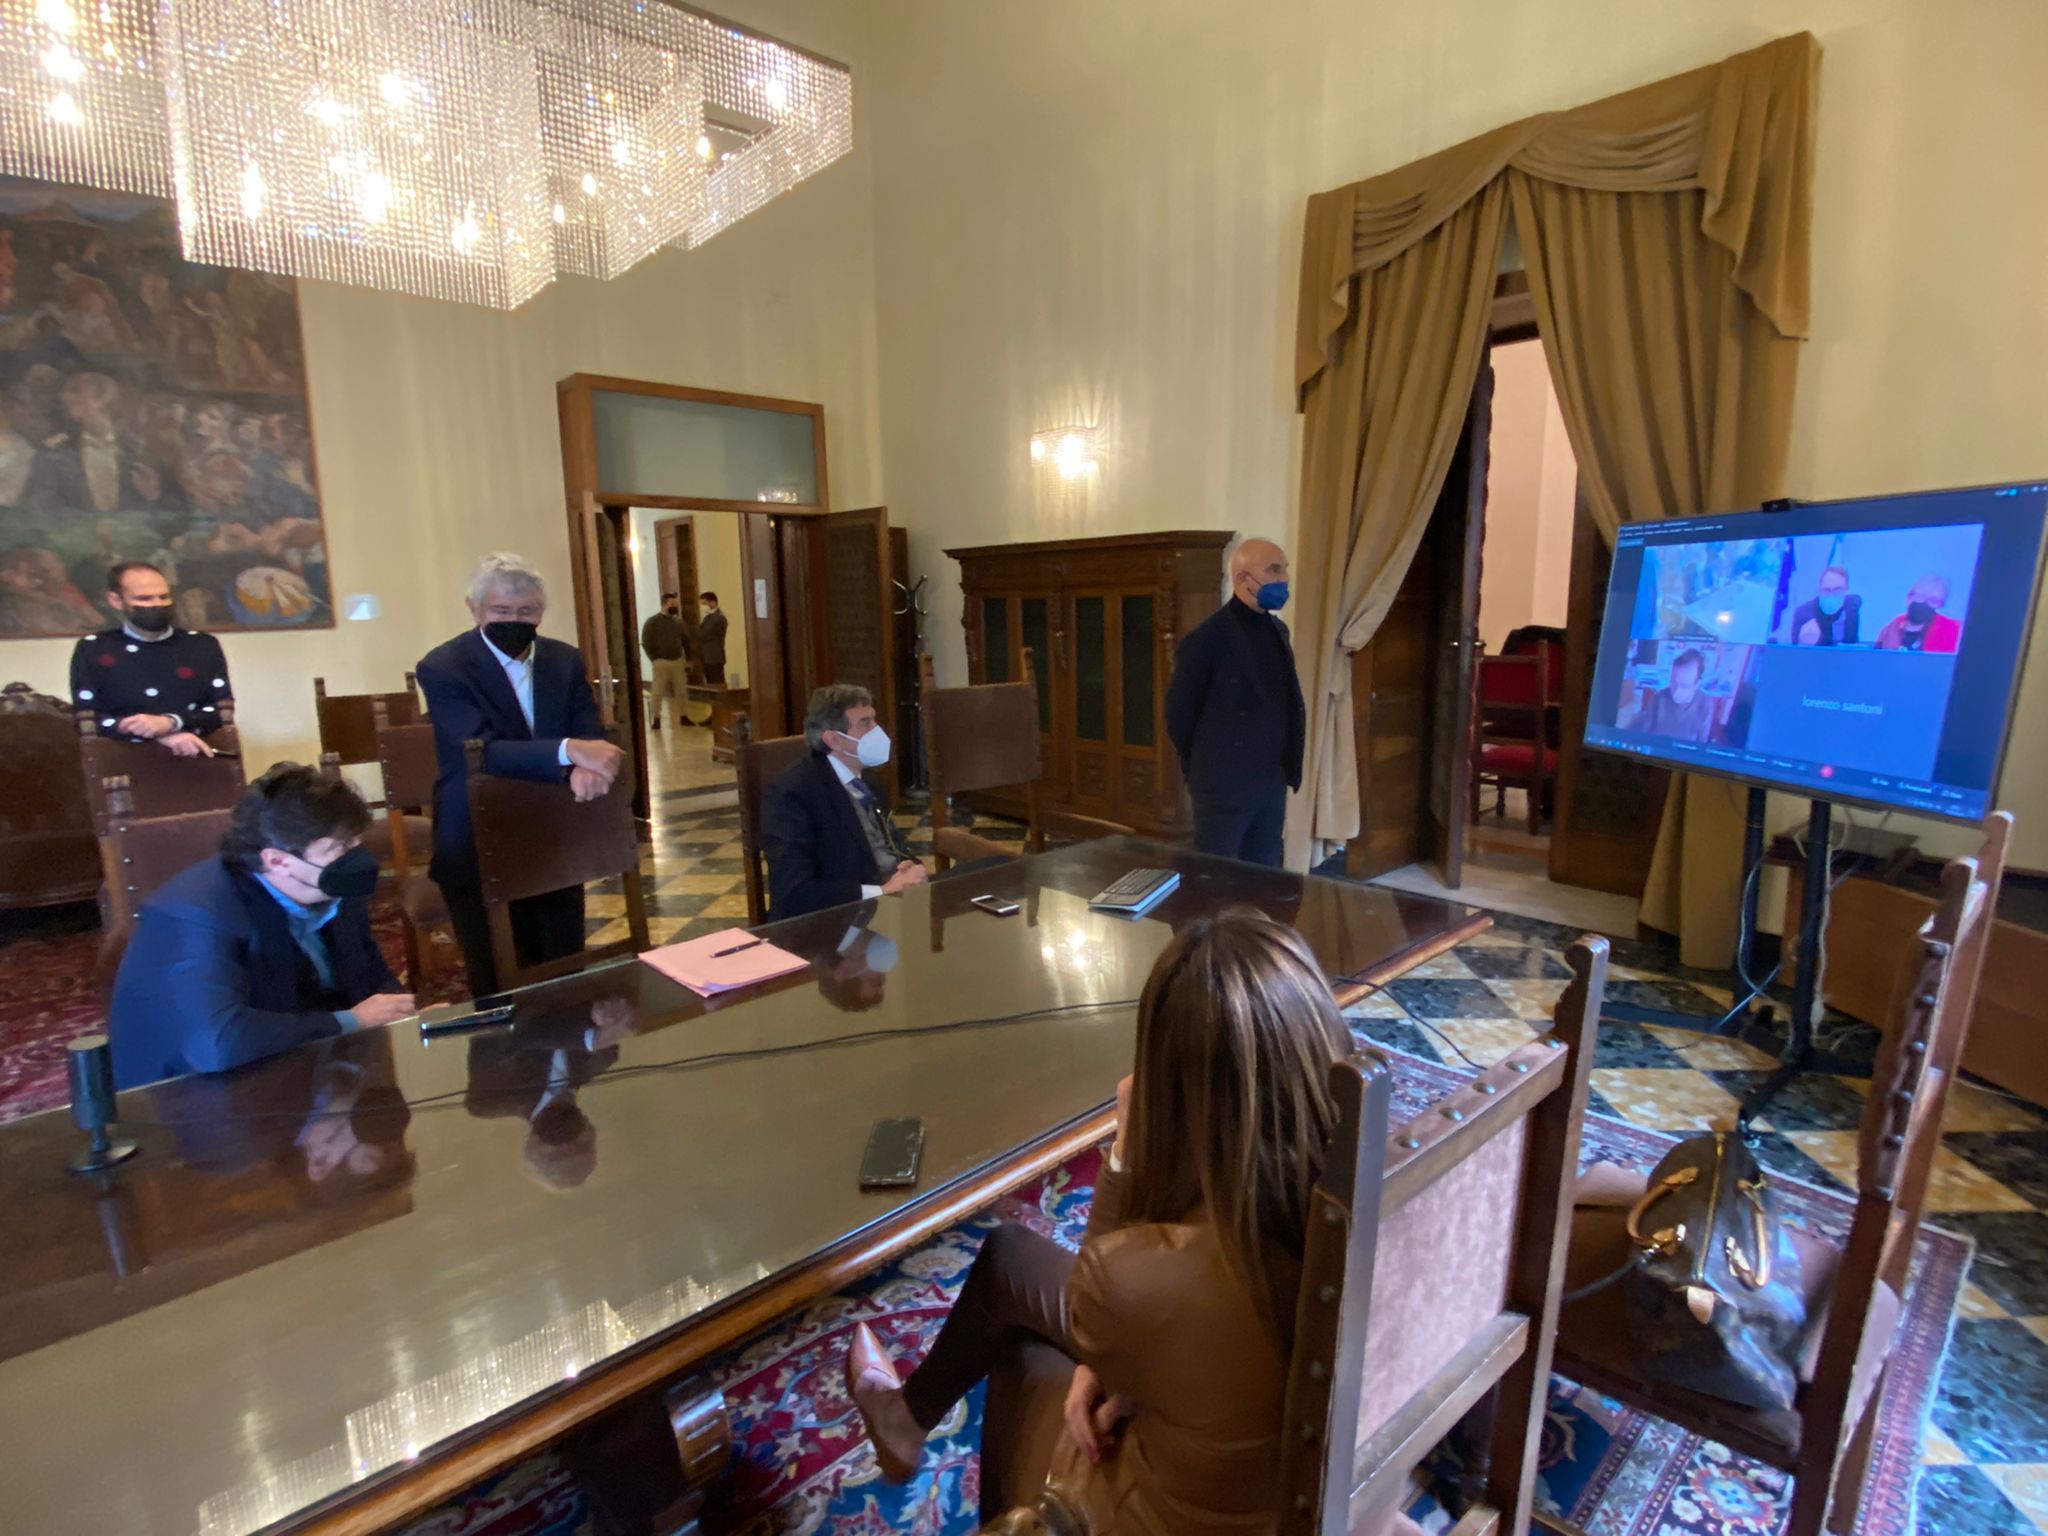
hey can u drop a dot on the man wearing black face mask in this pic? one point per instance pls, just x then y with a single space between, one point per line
527 699
148 680
261 949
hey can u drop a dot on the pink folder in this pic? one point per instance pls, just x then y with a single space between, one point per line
699 966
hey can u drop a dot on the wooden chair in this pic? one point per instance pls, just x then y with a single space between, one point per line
348 734
534 837
47 852
406 758
140 781
137 856
1513 697
348 721
756 763
986 737
1825 1439
1431 1283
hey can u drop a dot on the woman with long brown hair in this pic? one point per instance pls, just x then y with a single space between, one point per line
1162 1347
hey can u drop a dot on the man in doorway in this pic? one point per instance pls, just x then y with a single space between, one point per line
1680 709
149 680
824 826
1834 615
661 637
528 700
1235 713
711 639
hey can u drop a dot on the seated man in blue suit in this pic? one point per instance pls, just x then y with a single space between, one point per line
824 827
528 700
261 949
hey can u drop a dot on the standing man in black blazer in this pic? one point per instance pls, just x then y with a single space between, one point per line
711 640
1235 713
824 826
528 700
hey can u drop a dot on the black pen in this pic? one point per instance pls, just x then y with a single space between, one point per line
720 954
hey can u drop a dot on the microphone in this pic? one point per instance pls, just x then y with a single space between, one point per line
92 1104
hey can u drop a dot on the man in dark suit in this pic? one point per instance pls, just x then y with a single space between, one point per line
528 700
261 949
711 639
1235 714
824 826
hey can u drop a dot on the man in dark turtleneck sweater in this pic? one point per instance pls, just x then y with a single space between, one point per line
1235 713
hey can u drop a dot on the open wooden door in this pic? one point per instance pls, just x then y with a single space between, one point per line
1459 528
1608 806
611 634
852 607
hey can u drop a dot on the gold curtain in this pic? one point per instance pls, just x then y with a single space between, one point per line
1666 235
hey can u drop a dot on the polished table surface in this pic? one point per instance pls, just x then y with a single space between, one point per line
329 1271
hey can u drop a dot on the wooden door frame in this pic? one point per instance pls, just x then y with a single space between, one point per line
666 540
575 398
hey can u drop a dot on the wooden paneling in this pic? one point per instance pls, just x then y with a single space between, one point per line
1125 600
1390 683
1608 806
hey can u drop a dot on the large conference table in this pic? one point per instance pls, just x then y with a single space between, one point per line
338 1286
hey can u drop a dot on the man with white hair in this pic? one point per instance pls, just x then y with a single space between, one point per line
1234 712
528 700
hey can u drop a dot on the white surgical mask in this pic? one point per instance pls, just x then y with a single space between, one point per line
873 748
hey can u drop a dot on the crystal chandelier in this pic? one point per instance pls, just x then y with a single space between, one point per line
388 143
459 149
80 98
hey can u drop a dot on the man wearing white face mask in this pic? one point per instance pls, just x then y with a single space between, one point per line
824 826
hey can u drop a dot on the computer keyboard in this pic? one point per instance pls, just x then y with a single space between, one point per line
1138 891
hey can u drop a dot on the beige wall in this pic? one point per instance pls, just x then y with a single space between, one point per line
1087 209
435 423
1526 562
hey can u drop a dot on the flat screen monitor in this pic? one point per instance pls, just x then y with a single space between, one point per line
1860 651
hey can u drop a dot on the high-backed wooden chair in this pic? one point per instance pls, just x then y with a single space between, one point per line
534 837
1431 1281
406 758
986 737
137 856
757 762
348 721
1853 1292
1513 698
348 734
140 781
47 851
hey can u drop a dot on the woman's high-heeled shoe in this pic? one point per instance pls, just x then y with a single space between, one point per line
877 1393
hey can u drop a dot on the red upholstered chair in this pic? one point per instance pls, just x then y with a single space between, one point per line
1513 698
349 723
756 764
405 754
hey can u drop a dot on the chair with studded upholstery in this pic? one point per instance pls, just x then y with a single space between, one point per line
1430 1288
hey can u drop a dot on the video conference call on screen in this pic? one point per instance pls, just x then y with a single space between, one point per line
1856 650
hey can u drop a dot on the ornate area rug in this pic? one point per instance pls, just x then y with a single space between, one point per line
804 1471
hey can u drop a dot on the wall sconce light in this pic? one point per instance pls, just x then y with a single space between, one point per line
785 495
1070 453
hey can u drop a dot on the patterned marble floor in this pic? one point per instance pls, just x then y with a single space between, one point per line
1987 1450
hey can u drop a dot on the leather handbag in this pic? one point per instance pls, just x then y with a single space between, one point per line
1713 1298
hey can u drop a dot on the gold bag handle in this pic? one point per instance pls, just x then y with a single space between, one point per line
1669 1238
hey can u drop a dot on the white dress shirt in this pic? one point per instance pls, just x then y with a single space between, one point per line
519 673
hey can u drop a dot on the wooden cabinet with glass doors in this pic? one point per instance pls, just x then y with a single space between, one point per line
1101 618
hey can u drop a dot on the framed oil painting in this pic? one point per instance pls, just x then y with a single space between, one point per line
150 409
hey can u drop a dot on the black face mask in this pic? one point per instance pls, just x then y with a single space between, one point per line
512 636
150 621
353 874
1917 614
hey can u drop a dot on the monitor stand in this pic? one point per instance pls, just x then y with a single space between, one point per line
1750 1006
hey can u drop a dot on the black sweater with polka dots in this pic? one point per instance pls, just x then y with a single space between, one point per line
183 675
